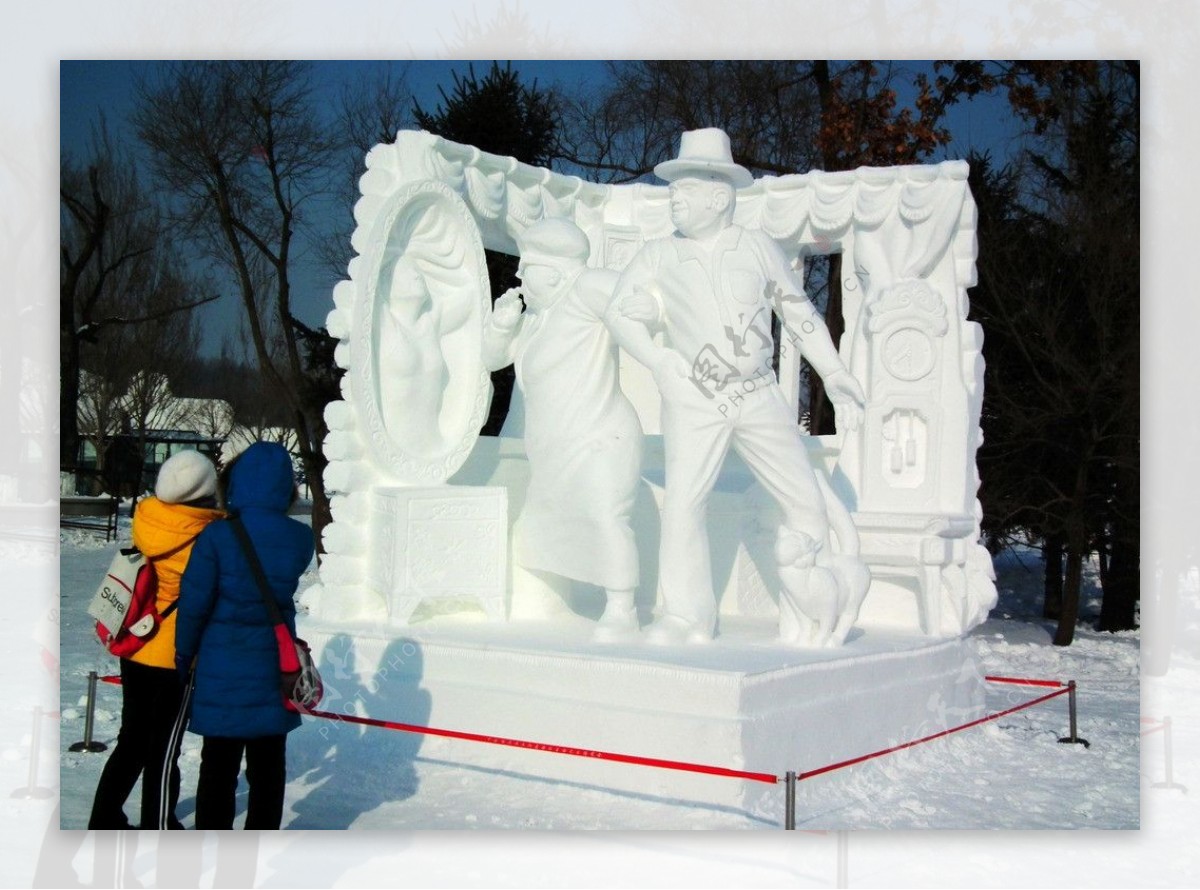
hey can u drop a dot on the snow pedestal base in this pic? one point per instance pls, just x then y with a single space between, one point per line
439 543
742 702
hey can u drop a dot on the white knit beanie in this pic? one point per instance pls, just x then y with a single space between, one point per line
186 476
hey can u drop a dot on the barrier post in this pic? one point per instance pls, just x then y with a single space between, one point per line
87 744
1168 766
843 858
1073 738
789 801
32 790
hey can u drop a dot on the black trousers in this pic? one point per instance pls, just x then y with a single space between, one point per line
150 701
266 773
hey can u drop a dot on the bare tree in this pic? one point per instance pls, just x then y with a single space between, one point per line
768 108
107 364
117 267
137 359
369 112
242 437
244 150
372 112
100 411
212 418
152 406
234 393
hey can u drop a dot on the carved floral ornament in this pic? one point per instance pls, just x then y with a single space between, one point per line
907 315
909 303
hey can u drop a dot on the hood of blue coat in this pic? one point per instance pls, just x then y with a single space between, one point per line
261 477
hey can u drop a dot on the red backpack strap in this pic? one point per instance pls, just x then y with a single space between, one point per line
150 564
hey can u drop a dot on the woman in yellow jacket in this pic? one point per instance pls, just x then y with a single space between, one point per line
164 529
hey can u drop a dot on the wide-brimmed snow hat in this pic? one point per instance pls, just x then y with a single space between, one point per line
705 153
184 477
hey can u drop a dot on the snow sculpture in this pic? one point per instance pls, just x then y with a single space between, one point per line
411 321
709 287
581 434
903 482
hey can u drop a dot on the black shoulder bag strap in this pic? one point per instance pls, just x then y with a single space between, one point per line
256 569
291 668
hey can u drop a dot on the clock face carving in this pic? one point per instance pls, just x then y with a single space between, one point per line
908 354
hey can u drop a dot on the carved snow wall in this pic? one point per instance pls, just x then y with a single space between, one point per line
907 238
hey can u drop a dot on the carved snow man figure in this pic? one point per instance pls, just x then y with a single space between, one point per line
711 287
582 436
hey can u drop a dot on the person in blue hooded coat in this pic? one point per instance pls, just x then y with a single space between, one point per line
224 629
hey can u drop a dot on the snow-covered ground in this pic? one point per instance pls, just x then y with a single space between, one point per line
1007 774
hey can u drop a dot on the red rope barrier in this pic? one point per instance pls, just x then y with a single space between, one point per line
1062 688
537 746
800 776
1054 684
554 749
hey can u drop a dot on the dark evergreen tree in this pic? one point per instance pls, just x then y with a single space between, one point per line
498 114
1059 301
321 380
503 116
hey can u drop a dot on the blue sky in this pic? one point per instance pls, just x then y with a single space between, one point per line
89 88
92 89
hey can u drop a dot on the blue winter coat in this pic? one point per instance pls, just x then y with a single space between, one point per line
222 618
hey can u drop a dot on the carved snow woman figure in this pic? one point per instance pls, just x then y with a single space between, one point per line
411 364
582 435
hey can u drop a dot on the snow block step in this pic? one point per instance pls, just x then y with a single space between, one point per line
743 702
